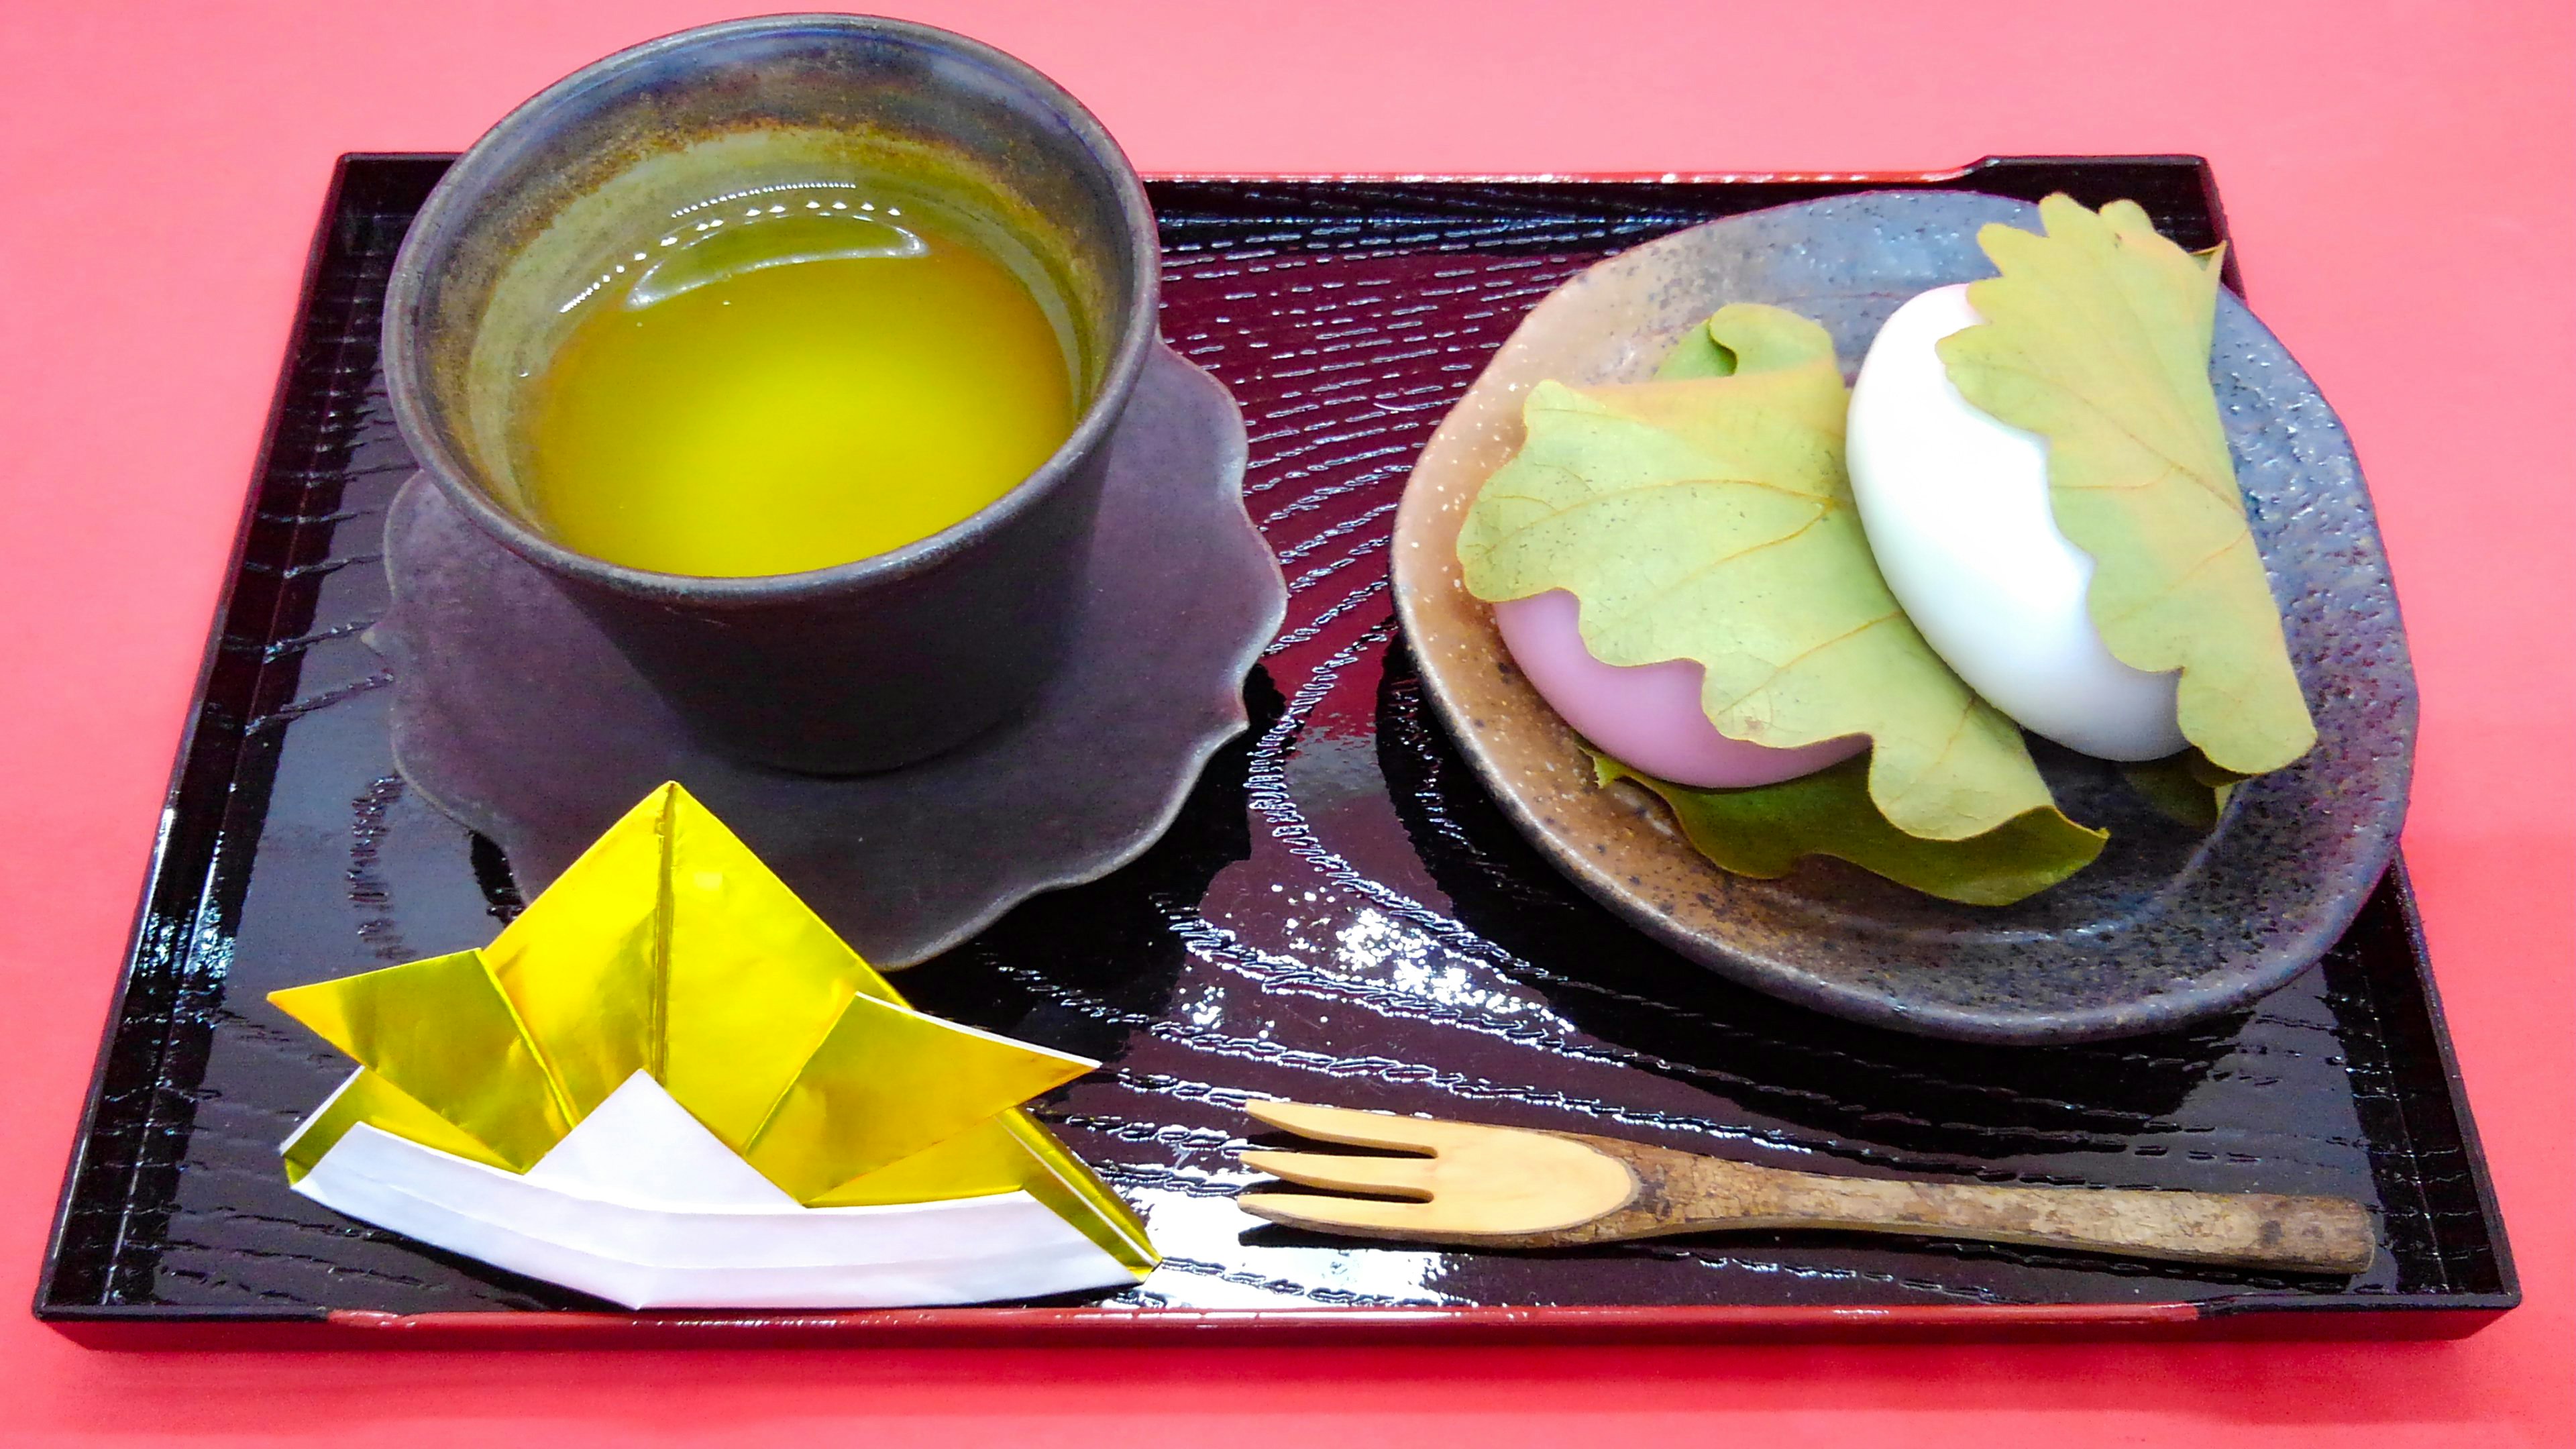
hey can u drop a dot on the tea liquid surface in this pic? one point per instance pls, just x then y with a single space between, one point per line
783 393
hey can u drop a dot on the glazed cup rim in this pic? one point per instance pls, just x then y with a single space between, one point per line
459 190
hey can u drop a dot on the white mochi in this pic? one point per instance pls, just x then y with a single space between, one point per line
1956 507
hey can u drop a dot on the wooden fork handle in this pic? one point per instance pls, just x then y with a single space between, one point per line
1679 1192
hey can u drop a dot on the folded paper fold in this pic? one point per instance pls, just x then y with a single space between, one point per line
669 953
641 1205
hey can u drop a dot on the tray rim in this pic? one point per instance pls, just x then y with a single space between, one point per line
159 864
2425 1316
155 1327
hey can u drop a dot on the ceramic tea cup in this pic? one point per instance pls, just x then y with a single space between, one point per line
864 665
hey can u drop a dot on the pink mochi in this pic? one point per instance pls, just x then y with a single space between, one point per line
1646 716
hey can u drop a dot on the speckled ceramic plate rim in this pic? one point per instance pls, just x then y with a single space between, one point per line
1209 398
1454 643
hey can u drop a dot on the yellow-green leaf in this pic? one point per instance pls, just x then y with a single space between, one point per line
2097 337
1765 831
2183 787
1697 354
1709 518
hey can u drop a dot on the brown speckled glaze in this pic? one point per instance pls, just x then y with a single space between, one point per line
2167 926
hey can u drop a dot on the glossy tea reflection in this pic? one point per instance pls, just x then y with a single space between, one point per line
792 382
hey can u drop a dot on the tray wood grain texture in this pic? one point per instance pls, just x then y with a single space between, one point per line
1339 914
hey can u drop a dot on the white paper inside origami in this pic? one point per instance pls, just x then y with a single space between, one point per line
642 1206
641 1146
668 1070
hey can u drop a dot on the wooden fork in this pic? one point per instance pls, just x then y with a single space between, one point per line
1511 1187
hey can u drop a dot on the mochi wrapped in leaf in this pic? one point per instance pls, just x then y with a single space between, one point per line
1706 516
2096 337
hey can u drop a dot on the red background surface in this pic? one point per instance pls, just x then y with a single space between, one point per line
2402 183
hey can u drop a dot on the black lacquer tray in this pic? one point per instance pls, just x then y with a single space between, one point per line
1339 915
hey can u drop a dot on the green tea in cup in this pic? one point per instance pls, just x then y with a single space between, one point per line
792 351
793 379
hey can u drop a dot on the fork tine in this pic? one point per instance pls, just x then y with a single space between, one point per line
1364 1216
1401 1176
1505 1186
1357 1129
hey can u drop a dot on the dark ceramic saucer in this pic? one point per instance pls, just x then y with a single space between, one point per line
2169 925
519 719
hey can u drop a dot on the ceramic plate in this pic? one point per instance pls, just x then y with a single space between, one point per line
2169 924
